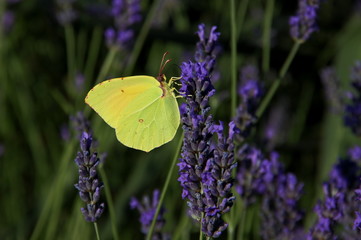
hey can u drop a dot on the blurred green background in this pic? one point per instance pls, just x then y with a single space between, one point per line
39 62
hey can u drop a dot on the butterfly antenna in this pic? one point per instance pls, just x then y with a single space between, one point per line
162 64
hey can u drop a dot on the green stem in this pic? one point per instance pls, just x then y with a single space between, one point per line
200 227
304 104
96 230
104 71
141 37
164 190
277 82
182 227
107 64
82 40
113 220
57 188
94 47
70 50
267 35
233 57
242 222
242 9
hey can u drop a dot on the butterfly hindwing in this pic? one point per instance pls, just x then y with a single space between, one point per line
152 126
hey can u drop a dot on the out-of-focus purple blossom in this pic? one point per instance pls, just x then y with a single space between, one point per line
358 6
331 84
251 92
7 20
338 206
147 209
357 223
125 14
250 173
280 216
80 124
352 118
261 177
303 24
66 13
328 211
206 47
79 81
356 75
169 8
12 1
65 132
274 131
89 185
250 89
355 154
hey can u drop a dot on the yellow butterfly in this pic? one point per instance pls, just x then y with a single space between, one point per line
142 109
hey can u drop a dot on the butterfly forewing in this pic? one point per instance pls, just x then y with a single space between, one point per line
110 98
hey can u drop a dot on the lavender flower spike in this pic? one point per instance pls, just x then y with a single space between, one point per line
147 209
89 185
281 215
206 45
251 92
197 124
66 13
303 24
352 116
125 13
218 181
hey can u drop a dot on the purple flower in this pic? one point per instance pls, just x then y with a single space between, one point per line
125 14
89 185
303 24
275 129
338 206
197 127
7 20
280 216
65 132
206 47
66 13
261 177
147 209
205 166
355 154
251 92
250 173
357 223
80 124
79 81
352 118
218 181
328 212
